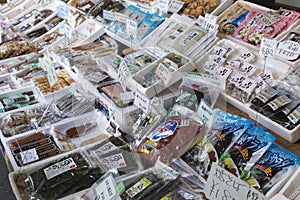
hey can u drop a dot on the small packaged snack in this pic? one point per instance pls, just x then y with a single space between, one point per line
265 96
246 150
294 118
224 132
271 168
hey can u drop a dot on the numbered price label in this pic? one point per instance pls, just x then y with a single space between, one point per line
47 65
206 114
175 6
131 28
267 47
223 185
163 73
141 102
106 189
210 22
108 15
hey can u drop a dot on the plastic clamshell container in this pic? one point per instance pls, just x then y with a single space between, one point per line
158 86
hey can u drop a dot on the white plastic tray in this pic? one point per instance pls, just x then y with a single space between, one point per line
159 86
279 70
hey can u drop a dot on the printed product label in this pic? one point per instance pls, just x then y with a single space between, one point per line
106 148
29 156
267 94
279 102
60 168
248 85
247 57
248 68
164 130
190 38
115 161
294 117
211 67
223 72
217 59
290 107
269 19
220 51
138 187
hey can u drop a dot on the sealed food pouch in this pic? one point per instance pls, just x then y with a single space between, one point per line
224 132
275 165
243 154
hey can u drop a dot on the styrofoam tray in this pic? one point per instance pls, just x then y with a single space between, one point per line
16 11
253 5
150 41
279 70
96 118
37 95
159 86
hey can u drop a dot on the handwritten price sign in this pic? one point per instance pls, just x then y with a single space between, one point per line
267 47
222 185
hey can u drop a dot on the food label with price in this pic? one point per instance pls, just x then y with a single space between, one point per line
267 47
115 161
222 185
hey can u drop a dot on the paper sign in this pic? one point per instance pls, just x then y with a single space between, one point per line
206 114
210 22
124 73
63 12
71 20
106 190
286 54
175 6
126 96
267 47
47 65
120 17
163 73
60 168
221 185
29 156
108 15
290 46
131 28
141 102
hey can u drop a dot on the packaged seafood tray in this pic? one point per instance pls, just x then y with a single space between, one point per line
89 31
45 181
65 84
81 131
159 42
12 12
31 149
20 98
291 189
109 102
239 73
161 74
246 22
8 83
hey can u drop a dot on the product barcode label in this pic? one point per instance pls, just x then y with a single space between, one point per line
60 168
106 148
115 161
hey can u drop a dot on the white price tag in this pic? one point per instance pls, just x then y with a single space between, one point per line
68 31
106 148
221 185
29 156
106 190
127 96
141 102
124 73
163 73
71 21
267 47
63 12
60 168
115 161
131 28
108 15
206 114
290 46
223 72
120 17
47 65
210 23
286 54
175 6
162 6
